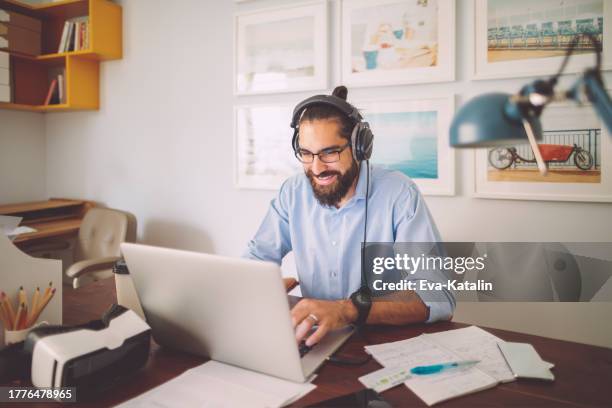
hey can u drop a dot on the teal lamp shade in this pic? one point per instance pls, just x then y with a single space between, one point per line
491 120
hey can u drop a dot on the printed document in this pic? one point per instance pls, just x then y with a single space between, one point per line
470 343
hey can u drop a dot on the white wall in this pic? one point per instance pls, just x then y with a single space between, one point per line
161 146
22 157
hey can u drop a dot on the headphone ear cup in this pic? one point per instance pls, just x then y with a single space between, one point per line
367 141
355 144
361 141
294 141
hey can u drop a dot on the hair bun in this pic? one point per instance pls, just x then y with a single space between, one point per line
341 92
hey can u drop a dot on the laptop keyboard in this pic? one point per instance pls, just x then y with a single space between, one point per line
304 349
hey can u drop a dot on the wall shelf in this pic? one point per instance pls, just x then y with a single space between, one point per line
31 75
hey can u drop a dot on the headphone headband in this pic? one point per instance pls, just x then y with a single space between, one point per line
361 137
330 100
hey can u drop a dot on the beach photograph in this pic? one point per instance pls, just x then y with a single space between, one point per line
394 36
406 141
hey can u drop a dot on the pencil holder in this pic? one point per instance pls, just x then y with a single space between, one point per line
15 336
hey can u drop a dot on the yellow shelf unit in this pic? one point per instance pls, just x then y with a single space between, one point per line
31 76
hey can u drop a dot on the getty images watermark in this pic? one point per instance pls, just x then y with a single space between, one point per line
492 271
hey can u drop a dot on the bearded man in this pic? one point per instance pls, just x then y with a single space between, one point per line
319 215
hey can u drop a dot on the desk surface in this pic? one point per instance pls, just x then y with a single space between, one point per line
583 373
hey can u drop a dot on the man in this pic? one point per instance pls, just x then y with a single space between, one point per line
320 216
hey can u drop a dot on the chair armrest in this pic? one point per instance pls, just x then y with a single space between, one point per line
81 268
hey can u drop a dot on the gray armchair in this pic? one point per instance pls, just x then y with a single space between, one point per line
97 247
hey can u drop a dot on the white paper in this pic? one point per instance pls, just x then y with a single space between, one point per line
474 343
21 230
525 361
8 223
385 378
424 350
215 384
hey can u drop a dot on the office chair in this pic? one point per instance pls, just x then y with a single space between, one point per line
97 247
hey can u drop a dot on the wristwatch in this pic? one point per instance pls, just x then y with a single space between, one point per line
362 299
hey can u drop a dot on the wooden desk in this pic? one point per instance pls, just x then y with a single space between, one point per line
53 219
583 373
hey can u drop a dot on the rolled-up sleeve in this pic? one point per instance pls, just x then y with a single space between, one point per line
414 223
272 240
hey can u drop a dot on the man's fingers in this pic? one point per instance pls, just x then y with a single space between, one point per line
290 283
299 313
317 335
303 329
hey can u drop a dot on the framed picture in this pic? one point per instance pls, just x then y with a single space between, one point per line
411 135
263 157
530 38
386 42
281 50
577 148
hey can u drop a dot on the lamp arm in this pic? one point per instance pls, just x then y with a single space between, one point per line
597 95
534 146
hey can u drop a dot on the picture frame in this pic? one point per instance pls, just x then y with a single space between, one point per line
504 41
427 158
263 157
564 125
265 62
389 42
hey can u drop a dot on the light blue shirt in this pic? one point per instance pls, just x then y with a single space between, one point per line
326 241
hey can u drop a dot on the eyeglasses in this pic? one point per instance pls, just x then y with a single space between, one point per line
329 155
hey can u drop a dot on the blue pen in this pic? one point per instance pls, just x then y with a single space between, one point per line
437 368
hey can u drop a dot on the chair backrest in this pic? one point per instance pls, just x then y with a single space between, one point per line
101 232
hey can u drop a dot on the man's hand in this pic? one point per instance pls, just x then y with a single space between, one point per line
328 314
290 283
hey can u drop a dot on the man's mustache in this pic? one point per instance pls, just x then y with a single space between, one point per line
326 173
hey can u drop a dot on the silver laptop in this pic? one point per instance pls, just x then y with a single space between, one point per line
233 310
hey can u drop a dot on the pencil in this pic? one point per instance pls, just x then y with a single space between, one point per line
6 302
48 289
18 316
41 307
35 298
24 318
4 311
5 321
23 298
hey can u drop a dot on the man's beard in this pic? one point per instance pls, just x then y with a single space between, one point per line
332 194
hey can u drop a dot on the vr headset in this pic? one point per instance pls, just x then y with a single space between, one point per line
91 357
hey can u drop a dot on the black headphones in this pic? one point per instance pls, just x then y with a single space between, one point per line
361 137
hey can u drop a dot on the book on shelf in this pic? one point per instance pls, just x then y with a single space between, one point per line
4 76
75 35
51 92
5 93
61 88
64 36
4 41
58 75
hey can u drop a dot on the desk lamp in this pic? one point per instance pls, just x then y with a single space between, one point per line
496 119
